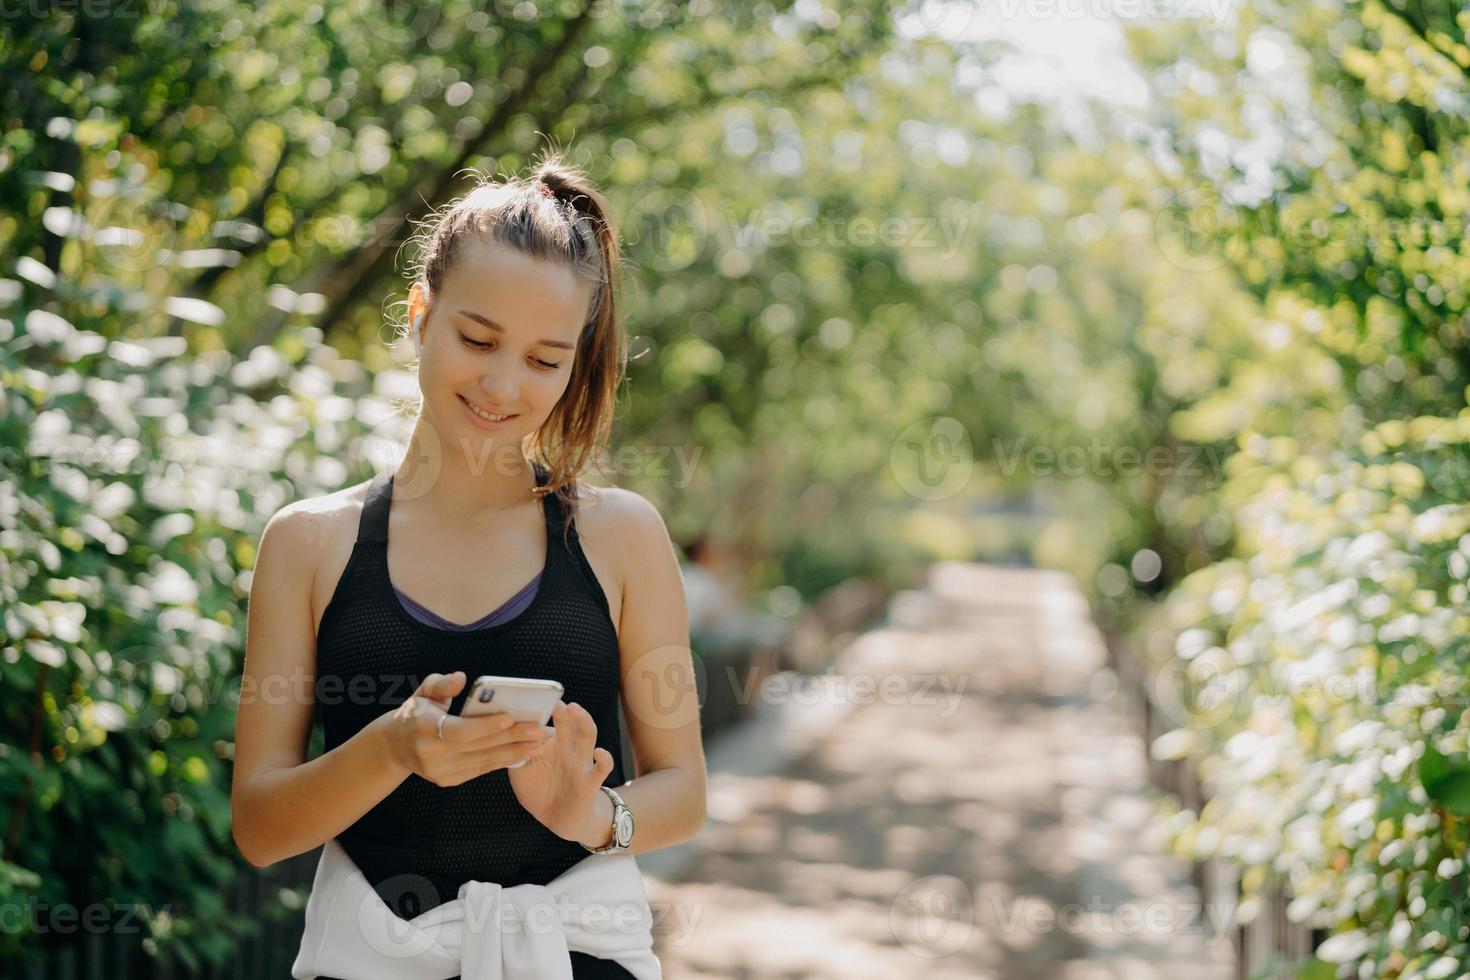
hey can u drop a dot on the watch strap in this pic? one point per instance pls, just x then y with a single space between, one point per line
618 806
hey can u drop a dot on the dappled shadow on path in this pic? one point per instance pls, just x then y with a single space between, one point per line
927 833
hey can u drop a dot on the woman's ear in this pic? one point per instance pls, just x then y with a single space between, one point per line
418 313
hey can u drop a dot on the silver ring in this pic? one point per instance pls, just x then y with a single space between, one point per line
440 726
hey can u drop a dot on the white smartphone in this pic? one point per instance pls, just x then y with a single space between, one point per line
523 698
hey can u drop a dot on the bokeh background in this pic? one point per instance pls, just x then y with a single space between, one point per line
1166 298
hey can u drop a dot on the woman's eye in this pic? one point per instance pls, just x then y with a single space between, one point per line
485 345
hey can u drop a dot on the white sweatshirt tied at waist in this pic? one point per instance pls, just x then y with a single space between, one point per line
525 932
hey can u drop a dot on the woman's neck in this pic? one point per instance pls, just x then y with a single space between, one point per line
463 489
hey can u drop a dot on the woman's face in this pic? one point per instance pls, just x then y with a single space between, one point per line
499 339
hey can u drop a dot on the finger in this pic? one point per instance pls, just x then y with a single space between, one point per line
441 687
468 765
506 755
566 726
525 731
602 763
584 728
478 749
459 730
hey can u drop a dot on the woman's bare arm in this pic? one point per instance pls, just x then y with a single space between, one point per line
281 804
661 704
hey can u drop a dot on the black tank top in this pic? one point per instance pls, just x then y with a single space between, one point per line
421 842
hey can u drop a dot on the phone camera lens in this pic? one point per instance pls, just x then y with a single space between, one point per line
487 693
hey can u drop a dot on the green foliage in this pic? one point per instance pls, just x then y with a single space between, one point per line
1446 781
1323 683
1319 674
124 568
829 245
205 208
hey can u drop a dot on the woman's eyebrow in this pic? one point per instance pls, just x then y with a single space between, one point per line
486 321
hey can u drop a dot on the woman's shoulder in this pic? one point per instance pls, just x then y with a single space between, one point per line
618 518
318 534
315 528
327 511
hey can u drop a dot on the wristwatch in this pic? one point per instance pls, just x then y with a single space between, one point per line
622 825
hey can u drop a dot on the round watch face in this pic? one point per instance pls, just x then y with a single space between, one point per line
623 830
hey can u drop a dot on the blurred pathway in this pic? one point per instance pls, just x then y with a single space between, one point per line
978 809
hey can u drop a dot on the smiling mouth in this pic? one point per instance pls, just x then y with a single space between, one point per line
484 414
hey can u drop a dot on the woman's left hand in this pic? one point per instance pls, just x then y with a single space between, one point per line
559 787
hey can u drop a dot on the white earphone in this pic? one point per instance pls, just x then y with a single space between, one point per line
417 334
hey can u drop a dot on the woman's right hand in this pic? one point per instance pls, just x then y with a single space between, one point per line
470 747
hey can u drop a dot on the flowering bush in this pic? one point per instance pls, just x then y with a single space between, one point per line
1321 682
136 483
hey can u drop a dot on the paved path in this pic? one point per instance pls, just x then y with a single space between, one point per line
984 815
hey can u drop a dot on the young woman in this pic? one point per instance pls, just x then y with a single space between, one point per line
370 605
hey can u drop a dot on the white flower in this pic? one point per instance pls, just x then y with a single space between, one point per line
1344 947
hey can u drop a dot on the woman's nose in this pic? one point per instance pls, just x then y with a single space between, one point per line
499 390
